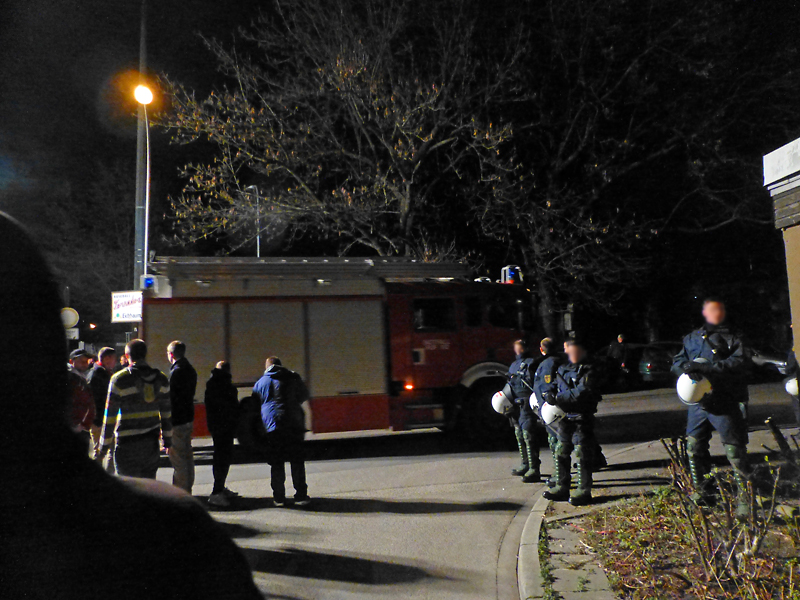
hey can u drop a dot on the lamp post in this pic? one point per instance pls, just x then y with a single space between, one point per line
144 97
254 190
139 257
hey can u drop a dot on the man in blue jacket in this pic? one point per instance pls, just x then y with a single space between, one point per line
281 393
716 351
578 397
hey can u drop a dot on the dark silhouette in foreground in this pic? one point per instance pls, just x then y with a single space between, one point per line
69 529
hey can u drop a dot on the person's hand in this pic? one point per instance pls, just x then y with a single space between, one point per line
697 368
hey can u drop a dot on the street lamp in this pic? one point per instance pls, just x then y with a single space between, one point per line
254 189
144 96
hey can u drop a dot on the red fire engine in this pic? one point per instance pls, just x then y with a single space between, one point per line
381 343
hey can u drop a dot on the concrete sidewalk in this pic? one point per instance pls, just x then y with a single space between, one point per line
574 571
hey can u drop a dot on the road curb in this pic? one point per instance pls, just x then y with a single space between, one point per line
529 572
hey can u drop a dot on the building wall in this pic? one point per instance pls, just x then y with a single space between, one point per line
791 240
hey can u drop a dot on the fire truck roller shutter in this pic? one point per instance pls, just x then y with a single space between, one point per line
268 328
347 349
201 326
262 329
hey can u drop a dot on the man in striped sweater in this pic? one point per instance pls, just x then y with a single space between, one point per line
138 412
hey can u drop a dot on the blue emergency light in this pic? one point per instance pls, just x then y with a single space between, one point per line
511 274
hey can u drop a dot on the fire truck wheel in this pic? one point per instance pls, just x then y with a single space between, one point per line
479 422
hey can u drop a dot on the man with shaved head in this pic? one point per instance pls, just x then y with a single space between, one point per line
150 540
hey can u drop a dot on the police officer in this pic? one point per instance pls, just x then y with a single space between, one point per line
524 419
716 351
545 382
577 396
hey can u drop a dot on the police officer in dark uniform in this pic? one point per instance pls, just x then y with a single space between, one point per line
577 396
524 419
545 382
716 351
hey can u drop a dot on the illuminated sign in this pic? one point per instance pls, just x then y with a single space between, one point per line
126 307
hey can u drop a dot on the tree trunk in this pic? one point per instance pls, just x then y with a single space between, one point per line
547 312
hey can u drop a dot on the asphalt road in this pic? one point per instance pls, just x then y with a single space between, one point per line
405 526
414 515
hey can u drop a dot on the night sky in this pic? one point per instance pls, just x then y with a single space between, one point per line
66 91
64 65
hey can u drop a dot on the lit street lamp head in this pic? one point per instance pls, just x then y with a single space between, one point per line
143 94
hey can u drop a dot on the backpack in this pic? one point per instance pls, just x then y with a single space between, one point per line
295 392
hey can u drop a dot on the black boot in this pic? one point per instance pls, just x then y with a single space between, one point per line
561 472
532 450
699 468
737 456
583 495
552 441
523 467
598 459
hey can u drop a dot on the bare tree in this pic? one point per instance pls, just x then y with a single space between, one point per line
87 236
364 120
569 135
639 125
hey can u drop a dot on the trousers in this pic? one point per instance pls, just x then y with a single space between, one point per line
181 455
137 457
223 455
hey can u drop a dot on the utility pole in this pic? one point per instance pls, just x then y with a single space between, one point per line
141 170
254 189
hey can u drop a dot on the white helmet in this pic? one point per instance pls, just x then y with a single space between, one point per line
692 388
551 413
792 388
534 402
502 403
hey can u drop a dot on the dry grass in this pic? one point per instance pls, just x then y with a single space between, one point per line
662 546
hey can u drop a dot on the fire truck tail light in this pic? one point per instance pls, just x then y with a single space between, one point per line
409 386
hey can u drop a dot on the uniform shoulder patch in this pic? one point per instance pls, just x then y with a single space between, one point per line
548 378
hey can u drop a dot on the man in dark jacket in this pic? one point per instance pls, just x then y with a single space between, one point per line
578 397
99 378
182 386
520 379
281 393
149 540
716 351
222 416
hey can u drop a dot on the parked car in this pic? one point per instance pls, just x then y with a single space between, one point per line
655 364
643 366
768 365
649 366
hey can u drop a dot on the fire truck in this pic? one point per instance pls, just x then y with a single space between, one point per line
382 344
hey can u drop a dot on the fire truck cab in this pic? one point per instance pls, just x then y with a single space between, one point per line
381 343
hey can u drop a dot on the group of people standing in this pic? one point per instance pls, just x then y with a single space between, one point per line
131 412
129 409
570 382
